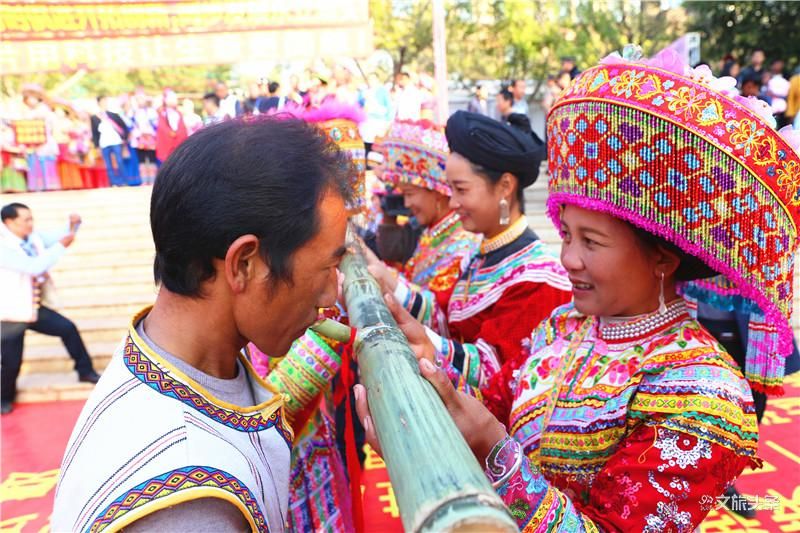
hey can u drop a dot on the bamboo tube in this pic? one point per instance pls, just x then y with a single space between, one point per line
332 329
438 483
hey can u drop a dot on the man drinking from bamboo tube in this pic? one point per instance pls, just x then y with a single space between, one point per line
249 221
321 496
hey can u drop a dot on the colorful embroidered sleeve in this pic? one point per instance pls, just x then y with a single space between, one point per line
658 481
498 348
303 374
663 477
425 305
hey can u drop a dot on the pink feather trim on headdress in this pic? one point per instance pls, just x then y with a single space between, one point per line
328 111
333 110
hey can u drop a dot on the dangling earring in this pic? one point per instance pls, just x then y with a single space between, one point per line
662 305
505 215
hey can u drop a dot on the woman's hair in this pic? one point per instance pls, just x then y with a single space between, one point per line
690 267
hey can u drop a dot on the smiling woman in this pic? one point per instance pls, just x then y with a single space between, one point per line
474 325
416 154
626 414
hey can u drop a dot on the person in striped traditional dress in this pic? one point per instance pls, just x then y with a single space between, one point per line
416 154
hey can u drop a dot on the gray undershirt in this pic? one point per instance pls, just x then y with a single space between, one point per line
204 514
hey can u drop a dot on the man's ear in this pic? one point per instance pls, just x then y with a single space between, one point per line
241 261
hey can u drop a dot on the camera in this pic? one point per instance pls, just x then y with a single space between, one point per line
392 205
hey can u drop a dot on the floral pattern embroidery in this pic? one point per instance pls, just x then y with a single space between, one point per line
681 450
668 515
685 101
745 134
641 432
627 83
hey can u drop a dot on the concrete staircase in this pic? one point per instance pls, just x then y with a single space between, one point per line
106 277
101 281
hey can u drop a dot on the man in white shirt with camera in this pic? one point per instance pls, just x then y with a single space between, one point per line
25 258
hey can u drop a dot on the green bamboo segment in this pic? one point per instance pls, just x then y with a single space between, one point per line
332 329
438 483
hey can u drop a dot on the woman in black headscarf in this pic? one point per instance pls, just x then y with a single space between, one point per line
511 285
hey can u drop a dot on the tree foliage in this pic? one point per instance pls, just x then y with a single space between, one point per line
505 39
183 79
740 27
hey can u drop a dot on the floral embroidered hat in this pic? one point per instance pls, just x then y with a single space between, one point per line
416 153
678 153
340 123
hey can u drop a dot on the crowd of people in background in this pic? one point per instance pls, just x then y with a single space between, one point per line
50 143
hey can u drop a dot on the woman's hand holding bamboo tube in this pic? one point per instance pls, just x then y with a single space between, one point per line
418 339
477 424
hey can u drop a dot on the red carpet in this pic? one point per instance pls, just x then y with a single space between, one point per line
34 437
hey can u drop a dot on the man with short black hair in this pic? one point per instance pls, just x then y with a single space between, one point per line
504 102
109 135
518 89
273 100
479 102
407 98
751 86
213 114
568 67
25 286
755 68
248 220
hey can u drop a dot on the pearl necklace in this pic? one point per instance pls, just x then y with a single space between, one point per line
643 325
507 236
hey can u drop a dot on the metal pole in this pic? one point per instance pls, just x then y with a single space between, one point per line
440 61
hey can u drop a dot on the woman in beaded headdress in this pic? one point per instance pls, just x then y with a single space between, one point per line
416 153
511 282
627 415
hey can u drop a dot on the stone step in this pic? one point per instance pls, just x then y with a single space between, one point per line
91 336
108 289
117 240
54 359
98 329
101 311
95 260
67 201
127 274
141 296
52 387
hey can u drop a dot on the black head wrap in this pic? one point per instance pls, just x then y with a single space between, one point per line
496 146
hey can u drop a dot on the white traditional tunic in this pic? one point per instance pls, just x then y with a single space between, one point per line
150 438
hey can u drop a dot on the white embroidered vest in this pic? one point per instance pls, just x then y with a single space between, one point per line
149 438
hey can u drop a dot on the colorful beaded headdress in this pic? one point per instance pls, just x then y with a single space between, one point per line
340 123
676 152
416 153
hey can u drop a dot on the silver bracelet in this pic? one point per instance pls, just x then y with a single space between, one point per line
503 461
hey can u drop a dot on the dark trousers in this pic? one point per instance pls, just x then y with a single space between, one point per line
116 175
12 338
